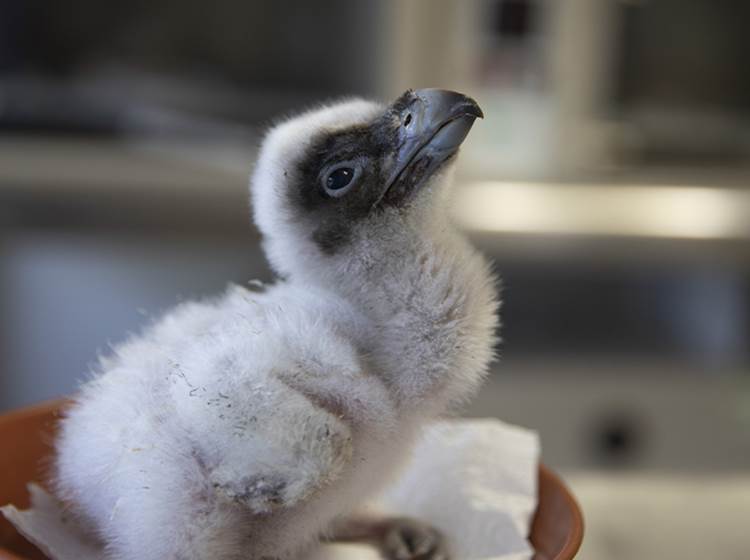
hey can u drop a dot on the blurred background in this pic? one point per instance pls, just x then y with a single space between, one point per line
610 181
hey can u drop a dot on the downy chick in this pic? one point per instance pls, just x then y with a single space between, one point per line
252 425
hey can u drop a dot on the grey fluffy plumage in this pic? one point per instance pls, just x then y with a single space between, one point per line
252 424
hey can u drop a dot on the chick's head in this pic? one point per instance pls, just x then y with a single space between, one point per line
346 181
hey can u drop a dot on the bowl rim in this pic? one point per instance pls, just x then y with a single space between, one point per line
574 537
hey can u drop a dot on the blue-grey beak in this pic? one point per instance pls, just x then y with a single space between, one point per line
433 124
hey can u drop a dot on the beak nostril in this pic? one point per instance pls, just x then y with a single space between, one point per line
407 119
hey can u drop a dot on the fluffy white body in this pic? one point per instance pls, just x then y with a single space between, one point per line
245 426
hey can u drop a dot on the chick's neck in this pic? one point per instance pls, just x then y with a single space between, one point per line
429 302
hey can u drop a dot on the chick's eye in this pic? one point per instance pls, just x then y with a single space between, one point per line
339 178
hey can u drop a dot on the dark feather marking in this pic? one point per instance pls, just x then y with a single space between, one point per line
333 219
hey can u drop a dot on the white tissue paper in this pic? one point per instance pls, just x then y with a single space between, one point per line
476 480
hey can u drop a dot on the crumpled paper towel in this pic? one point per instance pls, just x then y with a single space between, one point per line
476 480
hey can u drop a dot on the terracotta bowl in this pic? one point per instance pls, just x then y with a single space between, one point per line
26 436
